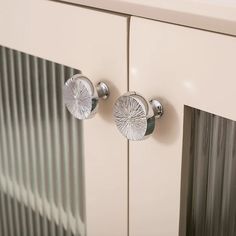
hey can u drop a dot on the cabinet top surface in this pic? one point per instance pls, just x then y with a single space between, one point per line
214 15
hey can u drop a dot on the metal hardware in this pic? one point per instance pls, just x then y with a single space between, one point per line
81 96
135 116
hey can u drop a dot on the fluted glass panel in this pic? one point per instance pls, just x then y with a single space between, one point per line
41 151
211 209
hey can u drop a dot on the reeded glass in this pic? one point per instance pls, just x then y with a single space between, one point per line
41 152
211 153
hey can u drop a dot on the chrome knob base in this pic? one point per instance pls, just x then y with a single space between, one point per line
102 90
81 97
135 116
157 108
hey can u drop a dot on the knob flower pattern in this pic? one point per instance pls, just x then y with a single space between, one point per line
78 97
130 117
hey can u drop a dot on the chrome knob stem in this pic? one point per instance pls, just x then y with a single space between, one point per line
135 116
81 97
102 90
157 108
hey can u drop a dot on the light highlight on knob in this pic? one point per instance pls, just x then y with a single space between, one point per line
81 96
135 116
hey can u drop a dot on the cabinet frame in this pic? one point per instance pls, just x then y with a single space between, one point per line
94 42
179 66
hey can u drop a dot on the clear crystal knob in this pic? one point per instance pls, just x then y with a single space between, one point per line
81 96
135 116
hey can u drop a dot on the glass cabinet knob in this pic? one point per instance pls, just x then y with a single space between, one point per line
81 97
135 116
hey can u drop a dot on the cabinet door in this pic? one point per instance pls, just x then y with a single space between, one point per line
59 175
182 179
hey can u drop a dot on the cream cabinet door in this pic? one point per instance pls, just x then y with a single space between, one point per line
50 161
178 187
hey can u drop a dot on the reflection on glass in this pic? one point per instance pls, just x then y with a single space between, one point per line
211 209
41 165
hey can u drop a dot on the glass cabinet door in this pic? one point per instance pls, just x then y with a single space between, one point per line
182 178
42 173
211 176
42 151
59 175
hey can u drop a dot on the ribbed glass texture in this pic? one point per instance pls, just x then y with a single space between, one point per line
211 207
41 152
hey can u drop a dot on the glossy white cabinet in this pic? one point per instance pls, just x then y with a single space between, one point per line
135 188
95 43
181 67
